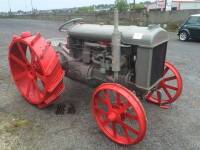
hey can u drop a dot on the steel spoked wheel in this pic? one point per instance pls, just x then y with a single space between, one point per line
26 73
38 79
169 89
119 114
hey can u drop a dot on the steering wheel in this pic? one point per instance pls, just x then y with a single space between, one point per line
64 27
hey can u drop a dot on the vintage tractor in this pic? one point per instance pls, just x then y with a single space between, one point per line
127 63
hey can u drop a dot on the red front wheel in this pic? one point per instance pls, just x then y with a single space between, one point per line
169 89
119 114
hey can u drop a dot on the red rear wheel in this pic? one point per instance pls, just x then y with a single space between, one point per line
36 69
119 114
169 89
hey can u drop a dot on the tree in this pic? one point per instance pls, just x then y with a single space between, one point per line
86 9
140 5
121 5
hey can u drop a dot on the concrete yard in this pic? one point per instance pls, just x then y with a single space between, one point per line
24 127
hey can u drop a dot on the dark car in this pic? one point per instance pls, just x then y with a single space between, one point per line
190 29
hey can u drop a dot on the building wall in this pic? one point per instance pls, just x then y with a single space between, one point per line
179 4
127 18
171 17
156 5
189 5
176 4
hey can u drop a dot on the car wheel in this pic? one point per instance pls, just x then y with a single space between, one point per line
183 36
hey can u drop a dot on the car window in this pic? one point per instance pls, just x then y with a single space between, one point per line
198 21
193 20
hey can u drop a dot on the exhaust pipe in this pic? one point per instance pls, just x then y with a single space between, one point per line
116 46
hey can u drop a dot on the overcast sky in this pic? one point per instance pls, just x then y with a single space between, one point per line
25 5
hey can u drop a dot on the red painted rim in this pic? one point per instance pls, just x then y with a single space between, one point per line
169 89
119 114
39 80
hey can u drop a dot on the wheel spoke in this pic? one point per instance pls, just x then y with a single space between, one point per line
100 111
165 71
114 129
22 52
100 99
118 100
32 58
159 96
40 76
129 128
132 117
107 99
170 87
169 78
126 133
150 94
17 60
167 93
36 88
124 107
108 103
105 122
20 75
29 88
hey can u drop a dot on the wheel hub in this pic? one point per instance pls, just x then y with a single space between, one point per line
112 116
115 110
32 74
31 71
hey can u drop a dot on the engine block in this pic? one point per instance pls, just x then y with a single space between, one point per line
142 53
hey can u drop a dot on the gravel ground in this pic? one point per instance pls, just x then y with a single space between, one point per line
24 127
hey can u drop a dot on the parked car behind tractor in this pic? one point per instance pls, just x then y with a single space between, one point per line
125 63
190 29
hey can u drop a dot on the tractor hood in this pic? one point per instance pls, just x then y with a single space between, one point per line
150 36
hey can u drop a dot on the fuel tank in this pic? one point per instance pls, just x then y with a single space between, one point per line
150 36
